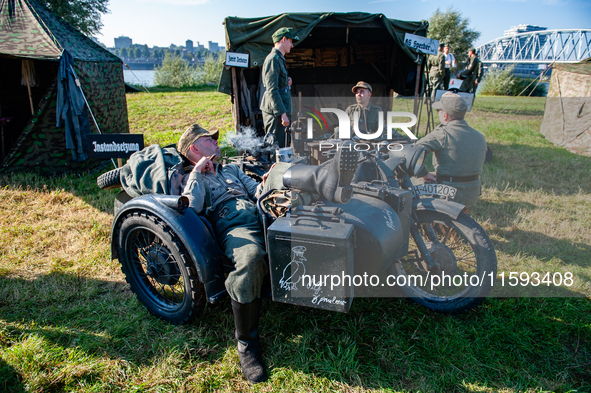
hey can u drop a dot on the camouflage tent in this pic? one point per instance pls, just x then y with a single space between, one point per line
33 42
567 117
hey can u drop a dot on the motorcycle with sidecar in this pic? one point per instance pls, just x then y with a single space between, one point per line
410 241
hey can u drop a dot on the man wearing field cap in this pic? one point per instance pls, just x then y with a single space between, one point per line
459 150
225 195
472 74
368 116
436 66
276 102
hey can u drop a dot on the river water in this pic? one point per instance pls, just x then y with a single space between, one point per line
139 77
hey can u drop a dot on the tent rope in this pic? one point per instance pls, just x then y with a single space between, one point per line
146 89
519 95
45 27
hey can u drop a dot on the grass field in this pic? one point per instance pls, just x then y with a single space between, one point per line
68 321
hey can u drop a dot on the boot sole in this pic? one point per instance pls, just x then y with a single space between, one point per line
348 164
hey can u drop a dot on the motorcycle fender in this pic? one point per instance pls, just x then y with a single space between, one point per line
449 208
192 232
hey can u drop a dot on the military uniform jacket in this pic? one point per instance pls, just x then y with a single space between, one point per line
459 151
229 182
474 71
436 64
368 118
277 98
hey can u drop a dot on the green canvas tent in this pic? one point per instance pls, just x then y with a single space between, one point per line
335 51
567 115
34 43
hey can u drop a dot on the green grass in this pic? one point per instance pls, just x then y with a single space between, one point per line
68 321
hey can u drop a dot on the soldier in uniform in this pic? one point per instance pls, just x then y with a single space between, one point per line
436 66
225 195
276 102
368 115
472 73
459 150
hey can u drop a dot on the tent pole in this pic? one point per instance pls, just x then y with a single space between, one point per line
416 106
235 103
29 89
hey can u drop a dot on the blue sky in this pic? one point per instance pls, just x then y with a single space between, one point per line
165 22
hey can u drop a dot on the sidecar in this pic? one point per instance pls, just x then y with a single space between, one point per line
173 264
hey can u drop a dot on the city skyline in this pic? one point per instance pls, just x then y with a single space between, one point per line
127 42
165 22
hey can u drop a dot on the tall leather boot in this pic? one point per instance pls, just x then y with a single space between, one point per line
331 180
246 319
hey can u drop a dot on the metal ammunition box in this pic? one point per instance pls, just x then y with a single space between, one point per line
306 255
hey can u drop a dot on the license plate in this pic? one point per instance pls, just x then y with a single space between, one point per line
434 189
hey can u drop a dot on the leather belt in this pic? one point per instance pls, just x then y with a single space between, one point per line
460 179
284 90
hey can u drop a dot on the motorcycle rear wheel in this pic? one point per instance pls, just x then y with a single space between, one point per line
158 269
461 250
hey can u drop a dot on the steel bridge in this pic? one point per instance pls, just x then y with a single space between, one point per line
538 47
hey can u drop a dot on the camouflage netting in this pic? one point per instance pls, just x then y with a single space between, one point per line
32 142
567 117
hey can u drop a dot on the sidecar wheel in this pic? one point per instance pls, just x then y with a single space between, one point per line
462 249
109 180
158 270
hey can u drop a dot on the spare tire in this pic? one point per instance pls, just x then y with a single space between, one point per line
109 180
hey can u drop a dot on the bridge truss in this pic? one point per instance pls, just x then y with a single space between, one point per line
538 47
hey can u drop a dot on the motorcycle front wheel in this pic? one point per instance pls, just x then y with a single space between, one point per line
466 264
158 269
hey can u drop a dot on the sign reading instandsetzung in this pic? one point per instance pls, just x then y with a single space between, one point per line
114 145
421 44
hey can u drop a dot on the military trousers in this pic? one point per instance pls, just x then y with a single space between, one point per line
446 78
239 232
468 85
436 82
273 124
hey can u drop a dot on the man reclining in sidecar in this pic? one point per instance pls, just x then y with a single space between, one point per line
226 196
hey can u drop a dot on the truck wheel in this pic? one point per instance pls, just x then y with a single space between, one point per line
109 180
158 269
466 264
